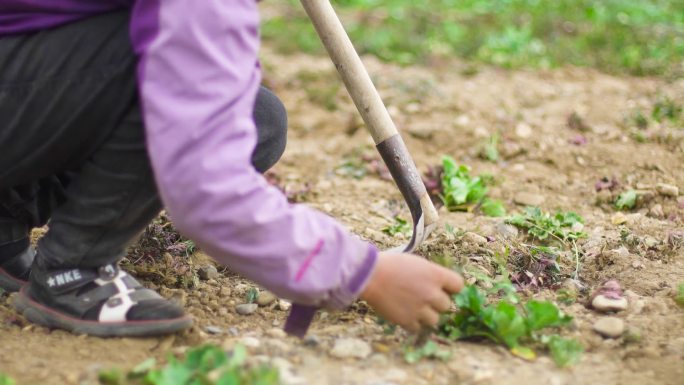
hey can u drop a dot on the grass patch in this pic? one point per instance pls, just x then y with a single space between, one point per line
622 36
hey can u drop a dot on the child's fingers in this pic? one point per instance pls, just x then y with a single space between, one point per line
441 302
429 317
452 282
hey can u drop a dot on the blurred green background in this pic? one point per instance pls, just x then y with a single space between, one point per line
637 37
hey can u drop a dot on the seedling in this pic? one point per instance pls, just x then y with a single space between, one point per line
204 365
490 150
400 226
6 380
252 295
518 327
430 350
626 200
680 295
462 192
562 226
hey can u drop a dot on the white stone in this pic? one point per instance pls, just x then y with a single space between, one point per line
351 348
604 304
610 327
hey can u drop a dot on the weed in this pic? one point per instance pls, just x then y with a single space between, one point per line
679 298
562 226
400 226
490 149
626 200
252 295
204 365
6 380
518 327
462 192
566 296
667 109
430 350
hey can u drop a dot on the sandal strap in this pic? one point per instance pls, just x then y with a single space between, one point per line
128 293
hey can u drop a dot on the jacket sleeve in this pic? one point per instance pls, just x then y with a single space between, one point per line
198 78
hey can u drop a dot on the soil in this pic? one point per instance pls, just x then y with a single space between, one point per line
445 109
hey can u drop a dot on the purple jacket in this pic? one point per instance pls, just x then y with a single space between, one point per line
198 76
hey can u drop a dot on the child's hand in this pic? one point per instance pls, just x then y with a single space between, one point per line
410 291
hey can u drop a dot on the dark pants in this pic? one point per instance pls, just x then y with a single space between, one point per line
72 142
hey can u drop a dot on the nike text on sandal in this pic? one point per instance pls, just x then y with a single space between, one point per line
104 302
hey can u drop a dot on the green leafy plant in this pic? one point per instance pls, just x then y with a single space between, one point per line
463 192
400 226
490 150
626 200
429 350
518 327
6 380
679 298
561 226
204 365
252 295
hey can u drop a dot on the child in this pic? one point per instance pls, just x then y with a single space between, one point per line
111 108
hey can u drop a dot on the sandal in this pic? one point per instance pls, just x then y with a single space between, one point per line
14 271
104 302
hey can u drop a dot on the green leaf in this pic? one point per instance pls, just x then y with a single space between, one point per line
507 324
680 295
429 350
565 352
252 295
493 208
544 314
524 352
142 368
400 226
626 200
6 380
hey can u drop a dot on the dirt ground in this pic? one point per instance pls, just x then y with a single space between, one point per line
445 109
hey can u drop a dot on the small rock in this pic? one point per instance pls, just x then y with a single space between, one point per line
604 304
475 239
609 327
311 340
651 242
213 329
422 131
396 374
506 230
667 190
528 199
618 219
523 130
284 305
656 211
250 342
276 333
246 308
266 298
351 348
208 272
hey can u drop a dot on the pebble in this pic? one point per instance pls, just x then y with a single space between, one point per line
246 308
618 219
208 272
523 130
284 305
276 333
651 242
311 340
657 211
604 304
609 327
396 374
266 298
250 342
667 190
351 348
528 199
506 230
475 239
213 329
